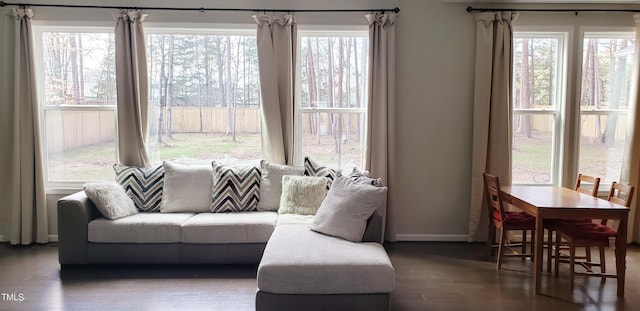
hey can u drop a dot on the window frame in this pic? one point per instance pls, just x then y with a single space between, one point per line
335 31
58 186
558 140
568 138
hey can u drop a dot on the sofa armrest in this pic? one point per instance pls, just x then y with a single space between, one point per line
75 211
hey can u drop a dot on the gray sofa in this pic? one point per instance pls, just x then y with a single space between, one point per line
297 267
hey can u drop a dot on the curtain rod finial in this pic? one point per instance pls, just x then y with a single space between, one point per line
3 4
396 10
469 9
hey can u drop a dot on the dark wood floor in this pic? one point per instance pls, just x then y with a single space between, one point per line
430 276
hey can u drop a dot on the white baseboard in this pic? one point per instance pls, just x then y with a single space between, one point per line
433 237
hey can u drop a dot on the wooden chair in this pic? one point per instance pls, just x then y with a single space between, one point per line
585 184
506 220
592 234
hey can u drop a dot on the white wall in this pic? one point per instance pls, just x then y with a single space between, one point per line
435 42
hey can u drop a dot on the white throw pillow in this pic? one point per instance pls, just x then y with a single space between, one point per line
110 199
302 194
235 189
271 183
345 210
187 188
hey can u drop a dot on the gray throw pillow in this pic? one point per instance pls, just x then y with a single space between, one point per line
110 199
187 188
302 194
271 183
345 210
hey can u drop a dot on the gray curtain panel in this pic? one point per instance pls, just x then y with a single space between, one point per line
276 57
492 111
380 106
133 89
23 213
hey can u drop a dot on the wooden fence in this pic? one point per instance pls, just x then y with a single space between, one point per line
72 129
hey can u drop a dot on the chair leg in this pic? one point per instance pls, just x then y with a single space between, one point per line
549 249
491 239
557 255
572 264
533 246
587 254
503 234
603 265
524 245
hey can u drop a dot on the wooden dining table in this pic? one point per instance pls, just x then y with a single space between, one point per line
545 202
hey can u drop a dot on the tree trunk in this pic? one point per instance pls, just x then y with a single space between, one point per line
163 85
337 133
525 126
312 85
330 84
81 69
170 85
358 99
73 56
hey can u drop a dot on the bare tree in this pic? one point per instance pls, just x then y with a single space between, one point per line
169 96
525 120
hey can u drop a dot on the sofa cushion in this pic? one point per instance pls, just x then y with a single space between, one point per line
139 228
297 260
110 199
271 183
142 184
302 194
187 188
235 189
242 227
287 219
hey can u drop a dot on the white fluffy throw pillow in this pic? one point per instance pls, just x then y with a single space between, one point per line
110 199
345 210
302 194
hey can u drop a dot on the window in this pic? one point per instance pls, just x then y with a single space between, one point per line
538 72
544 111
204 94
607 61
77 95
331 98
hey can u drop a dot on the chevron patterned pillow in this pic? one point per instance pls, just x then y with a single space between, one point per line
142 184
311 168
235 189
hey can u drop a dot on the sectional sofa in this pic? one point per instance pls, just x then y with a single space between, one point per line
298 266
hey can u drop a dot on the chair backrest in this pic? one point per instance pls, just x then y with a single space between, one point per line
493 197
594 181
621 194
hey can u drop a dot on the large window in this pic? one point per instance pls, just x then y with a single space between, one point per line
607 61
543 117
538 74
77 95
204 95
332 96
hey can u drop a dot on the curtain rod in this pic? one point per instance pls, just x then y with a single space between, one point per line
201 9
472 9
